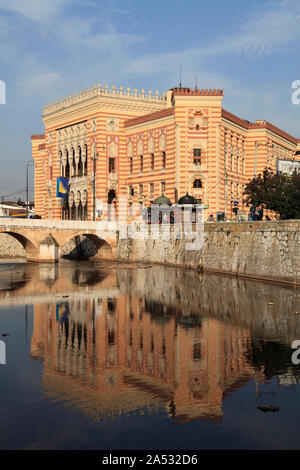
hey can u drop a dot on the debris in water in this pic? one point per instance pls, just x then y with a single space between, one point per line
268 408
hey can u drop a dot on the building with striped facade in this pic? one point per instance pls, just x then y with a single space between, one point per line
113 143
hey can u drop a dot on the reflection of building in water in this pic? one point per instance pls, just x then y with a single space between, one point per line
116 355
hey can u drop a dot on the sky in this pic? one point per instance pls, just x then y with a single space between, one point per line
53 48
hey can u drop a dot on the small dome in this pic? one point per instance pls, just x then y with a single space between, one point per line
187 199
162 200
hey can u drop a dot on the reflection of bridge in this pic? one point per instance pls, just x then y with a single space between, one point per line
43 240
32 283
59 297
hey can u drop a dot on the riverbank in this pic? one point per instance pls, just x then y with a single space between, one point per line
261 250
268 250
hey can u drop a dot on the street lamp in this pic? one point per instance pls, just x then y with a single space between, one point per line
29 163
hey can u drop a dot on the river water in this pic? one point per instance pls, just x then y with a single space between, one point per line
124 356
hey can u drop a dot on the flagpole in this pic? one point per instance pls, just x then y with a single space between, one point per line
30 162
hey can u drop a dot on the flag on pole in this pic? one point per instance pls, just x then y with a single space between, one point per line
62 187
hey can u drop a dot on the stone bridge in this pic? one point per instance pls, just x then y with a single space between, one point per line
43 240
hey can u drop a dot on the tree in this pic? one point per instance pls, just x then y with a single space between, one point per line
276 192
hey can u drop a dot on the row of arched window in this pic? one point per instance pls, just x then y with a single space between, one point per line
74 162
75 206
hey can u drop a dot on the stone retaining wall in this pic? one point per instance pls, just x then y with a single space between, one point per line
263 250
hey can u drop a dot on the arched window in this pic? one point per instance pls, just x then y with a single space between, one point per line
78 205
67 167
85 167
72 208
80 163
73 163
197 183
60 160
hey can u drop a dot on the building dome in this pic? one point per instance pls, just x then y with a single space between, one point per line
187 199
162 200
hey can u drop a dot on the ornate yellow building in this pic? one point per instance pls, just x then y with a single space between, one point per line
112 143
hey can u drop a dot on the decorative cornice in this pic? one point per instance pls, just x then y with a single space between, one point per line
105 104
259 125
88 93
232 117
196 92
37 137
267 125
149 117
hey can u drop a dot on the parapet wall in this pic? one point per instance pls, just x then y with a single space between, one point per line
261 250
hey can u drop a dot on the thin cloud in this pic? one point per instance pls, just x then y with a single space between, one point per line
80 33
37 82
5 27
35 10
266 31
52 49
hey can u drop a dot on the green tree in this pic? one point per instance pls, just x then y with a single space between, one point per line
276 192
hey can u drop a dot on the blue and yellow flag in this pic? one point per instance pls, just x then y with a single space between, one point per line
62 312
62 186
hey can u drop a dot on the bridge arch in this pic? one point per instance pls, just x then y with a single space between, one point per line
29 248
84 246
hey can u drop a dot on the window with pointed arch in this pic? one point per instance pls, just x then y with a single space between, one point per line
197 183
85 165
80 163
